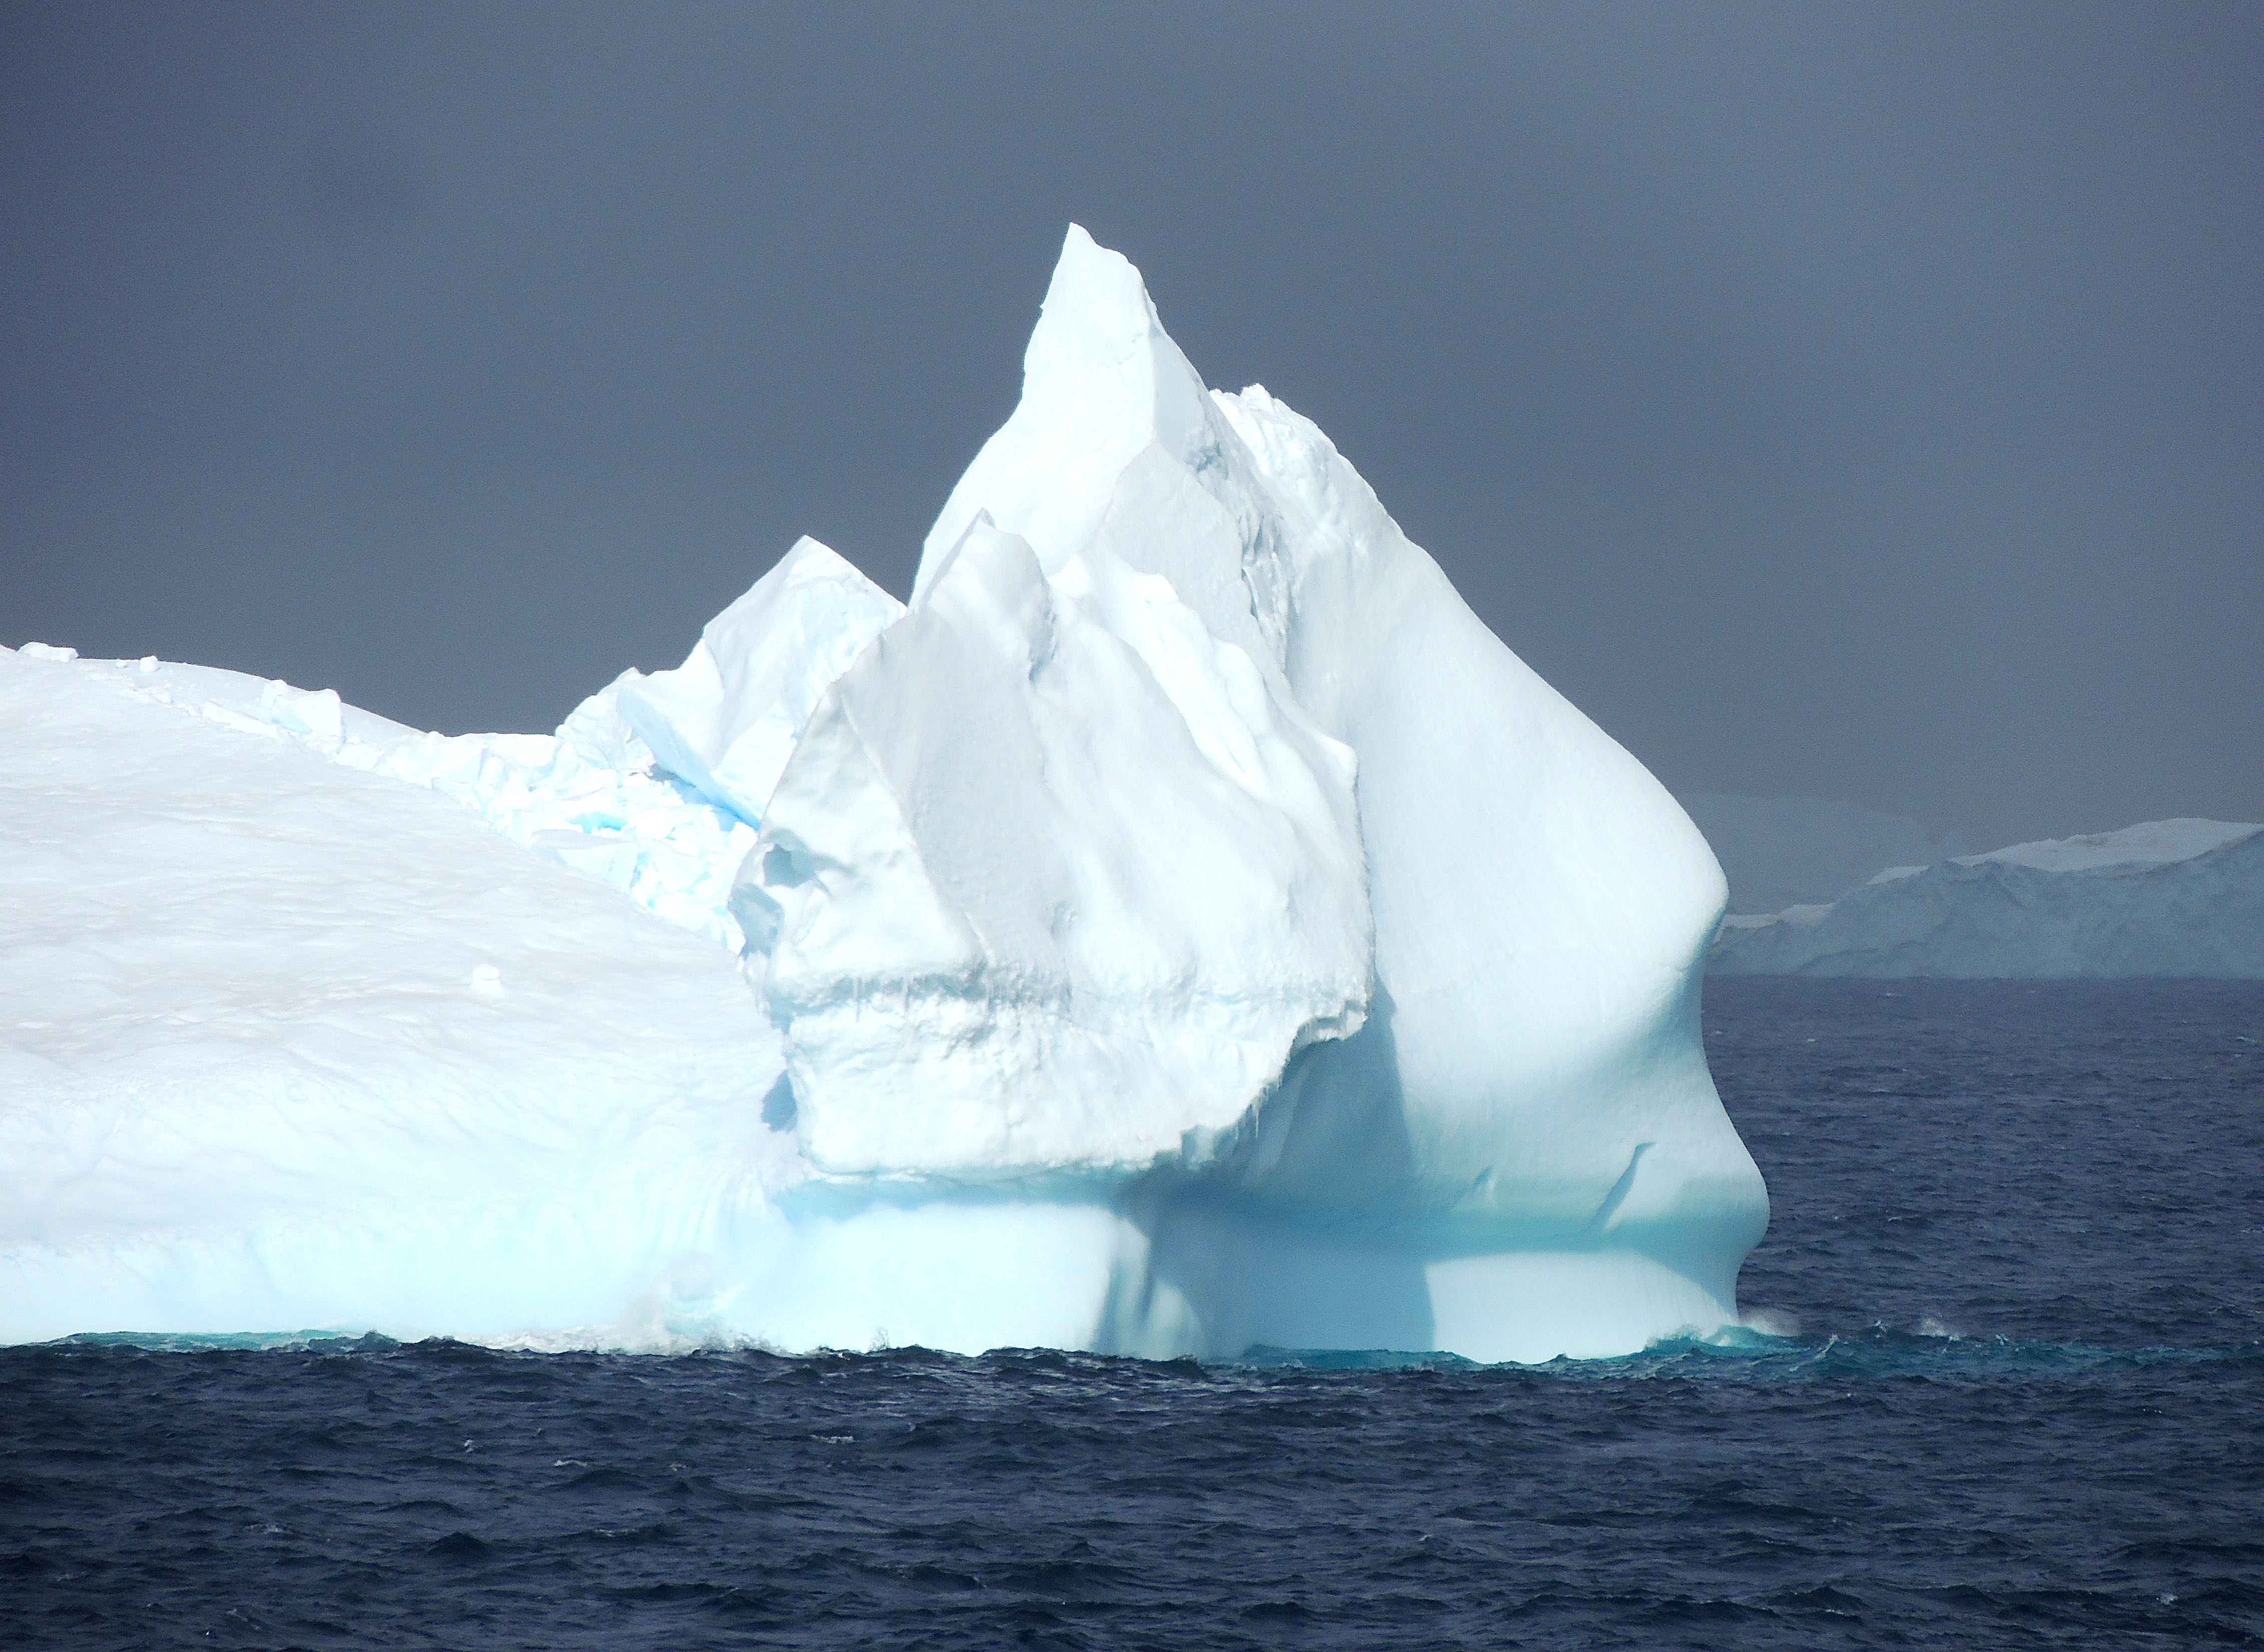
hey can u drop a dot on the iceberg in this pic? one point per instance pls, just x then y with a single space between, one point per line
2165 898
1184 925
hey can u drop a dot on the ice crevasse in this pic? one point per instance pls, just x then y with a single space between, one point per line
1183 926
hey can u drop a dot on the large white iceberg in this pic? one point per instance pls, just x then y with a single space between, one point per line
1185 926
2166 898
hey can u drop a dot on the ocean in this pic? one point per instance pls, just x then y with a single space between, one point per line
2005 1389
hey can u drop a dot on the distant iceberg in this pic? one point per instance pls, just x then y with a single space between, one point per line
2167 898
1183 926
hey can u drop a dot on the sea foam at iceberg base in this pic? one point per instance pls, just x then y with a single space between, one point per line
1184 926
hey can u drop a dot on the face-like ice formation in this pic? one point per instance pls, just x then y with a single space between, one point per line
1111 880
1185 926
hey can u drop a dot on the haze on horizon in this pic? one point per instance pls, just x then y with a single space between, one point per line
1856 404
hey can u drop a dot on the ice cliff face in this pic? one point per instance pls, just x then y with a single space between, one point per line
1060 880
1185 926
2166 898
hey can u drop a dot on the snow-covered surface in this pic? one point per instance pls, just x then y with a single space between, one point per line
589 796
2165 898
2154 843
1782 851
283 1043
1186 926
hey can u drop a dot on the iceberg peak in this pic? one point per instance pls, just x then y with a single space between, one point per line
1101 379
1099 344
725 720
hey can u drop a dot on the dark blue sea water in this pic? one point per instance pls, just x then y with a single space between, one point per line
2018 1259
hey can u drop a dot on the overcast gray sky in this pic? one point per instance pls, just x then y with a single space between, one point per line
1865 403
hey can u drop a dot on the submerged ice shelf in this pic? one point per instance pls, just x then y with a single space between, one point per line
1185 926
